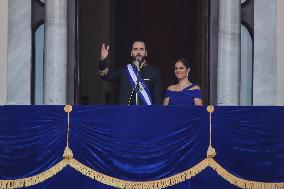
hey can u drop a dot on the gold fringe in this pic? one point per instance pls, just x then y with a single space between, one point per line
157 184
29 181
241 183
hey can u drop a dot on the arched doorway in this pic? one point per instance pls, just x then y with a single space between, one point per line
171 29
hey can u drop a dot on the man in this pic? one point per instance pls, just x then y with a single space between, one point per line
140 83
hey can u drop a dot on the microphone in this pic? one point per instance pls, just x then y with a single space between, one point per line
137 65
137 62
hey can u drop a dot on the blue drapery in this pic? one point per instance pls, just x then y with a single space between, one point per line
141 143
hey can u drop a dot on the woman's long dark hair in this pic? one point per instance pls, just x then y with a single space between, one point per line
184 61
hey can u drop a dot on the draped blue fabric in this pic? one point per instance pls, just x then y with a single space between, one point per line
141 143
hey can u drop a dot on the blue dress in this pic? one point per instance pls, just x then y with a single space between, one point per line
183 97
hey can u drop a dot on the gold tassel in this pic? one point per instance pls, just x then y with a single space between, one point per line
29 181
156 184
68 154
242 183
211 152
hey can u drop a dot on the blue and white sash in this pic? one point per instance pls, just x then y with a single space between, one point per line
142 90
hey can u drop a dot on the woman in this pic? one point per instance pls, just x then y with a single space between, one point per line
184 92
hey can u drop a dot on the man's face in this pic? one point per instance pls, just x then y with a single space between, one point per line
138 51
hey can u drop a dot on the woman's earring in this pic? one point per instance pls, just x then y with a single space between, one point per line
187 74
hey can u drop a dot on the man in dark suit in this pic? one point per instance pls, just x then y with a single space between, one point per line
140 83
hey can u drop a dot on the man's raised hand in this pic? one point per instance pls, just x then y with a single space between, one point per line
104 51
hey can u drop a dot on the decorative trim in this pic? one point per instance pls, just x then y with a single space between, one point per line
242 183
156 184
103 72
30 181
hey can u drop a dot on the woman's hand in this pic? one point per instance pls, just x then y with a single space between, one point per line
166 101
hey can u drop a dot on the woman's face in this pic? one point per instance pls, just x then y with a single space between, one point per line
180 70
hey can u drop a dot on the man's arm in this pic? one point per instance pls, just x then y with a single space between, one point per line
104 69
157 90
106 73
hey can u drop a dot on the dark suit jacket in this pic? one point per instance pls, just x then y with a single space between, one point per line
150 74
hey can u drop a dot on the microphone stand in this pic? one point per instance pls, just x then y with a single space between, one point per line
137 85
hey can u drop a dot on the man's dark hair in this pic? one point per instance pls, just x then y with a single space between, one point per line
139 40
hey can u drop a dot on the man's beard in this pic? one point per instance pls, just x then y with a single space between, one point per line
138 58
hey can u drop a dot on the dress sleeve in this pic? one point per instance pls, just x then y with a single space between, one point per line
197 93
167 93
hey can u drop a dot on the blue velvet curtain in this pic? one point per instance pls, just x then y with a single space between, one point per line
141 143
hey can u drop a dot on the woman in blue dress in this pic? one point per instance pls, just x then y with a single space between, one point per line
184 92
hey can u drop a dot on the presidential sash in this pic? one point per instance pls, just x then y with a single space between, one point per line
138 84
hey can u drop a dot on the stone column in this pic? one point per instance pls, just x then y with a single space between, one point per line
3 50
19 52
55 52
228 78
246 67
280 54
265 53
